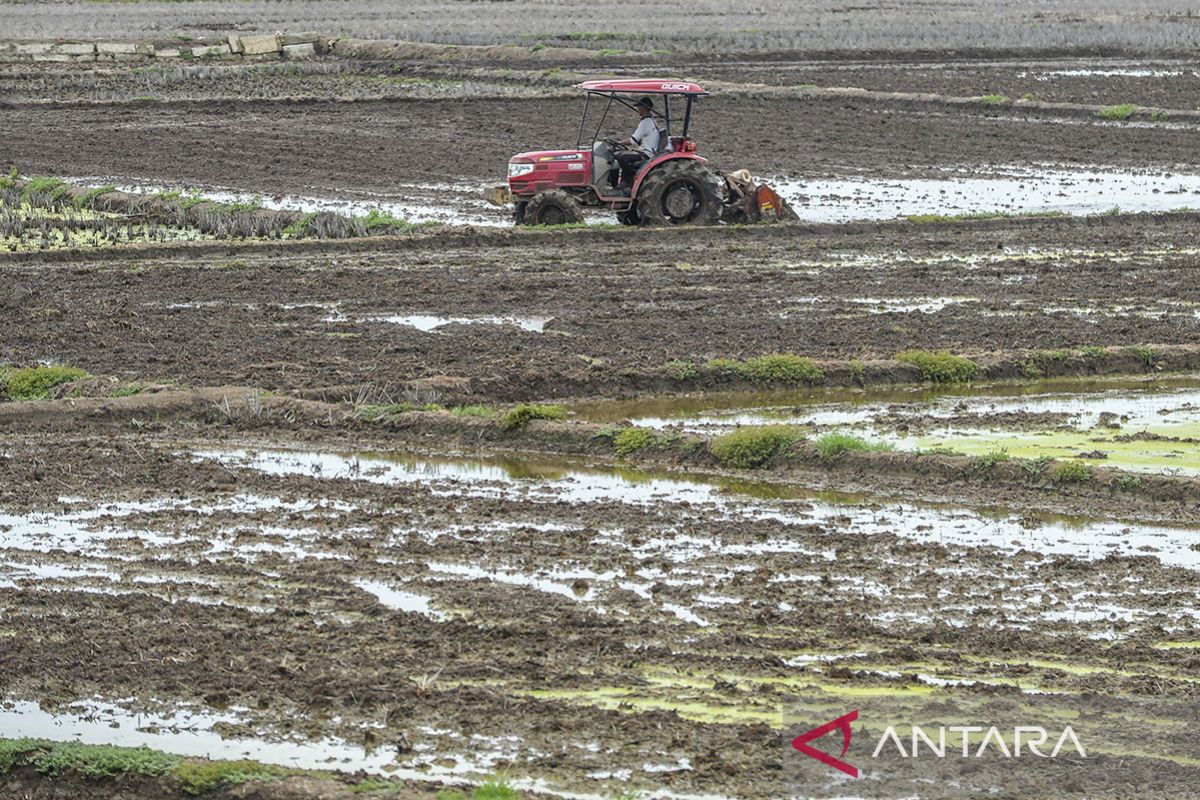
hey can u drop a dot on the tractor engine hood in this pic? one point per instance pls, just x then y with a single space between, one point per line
549 169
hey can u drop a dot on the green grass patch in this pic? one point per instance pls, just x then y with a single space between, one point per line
473 411
630 440
39 184
1034 467
201 777
747 448
91 761
781 368
940 367
1095 353
35 383
300 226
525 413
491 790
378 220
1148 356
168 196
128 390
682 370
10 180
995 100
86 199
377 411
1071 472
832 445
989 460
1122 111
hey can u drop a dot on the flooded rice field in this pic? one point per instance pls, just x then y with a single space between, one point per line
565 508
1143 426
576 595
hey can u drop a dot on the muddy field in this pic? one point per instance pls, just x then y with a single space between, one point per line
283 511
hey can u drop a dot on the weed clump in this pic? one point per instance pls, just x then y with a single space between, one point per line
1122 111
376 412
784 368
832 445
995 100
940 367
91 761
523 414
201 777
1147 355
630 440
682 370
473 411
989 460
748 448
35 383
1071 472
86 199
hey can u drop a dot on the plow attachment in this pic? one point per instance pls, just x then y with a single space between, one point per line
747 201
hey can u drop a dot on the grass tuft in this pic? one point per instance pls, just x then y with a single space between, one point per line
940 367
473 411
752 447
523 414
91 761
201 777
630 440
832 445
1071 472
995 100
1118 112
35 383
989 460
781 368
86 199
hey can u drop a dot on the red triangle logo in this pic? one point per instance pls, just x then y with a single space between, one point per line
842 723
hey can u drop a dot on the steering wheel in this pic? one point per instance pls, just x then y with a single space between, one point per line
615 146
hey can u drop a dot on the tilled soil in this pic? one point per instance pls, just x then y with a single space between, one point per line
605 630
317 146
299 317
646 634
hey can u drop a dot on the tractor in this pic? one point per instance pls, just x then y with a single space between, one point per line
674 186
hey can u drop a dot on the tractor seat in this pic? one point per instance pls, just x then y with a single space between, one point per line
664 143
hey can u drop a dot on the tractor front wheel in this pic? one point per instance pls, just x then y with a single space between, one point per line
680 193
553 207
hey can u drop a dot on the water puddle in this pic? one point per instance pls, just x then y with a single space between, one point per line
1008 190
429 323
416 202
720 499
1144 426
192 734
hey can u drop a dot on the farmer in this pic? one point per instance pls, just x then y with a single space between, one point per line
644 142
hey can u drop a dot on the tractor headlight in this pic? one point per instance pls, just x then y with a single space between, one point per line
516 170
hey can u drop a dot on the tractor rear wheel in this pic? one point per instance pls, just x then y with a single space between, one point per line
680 193
553 207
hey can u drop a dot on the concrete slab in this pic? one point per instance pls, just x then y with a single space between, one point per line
260 45
307 37
104 48
307 50
76 49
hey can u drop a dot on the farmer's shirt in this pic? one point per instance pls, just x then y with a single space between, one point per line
646 137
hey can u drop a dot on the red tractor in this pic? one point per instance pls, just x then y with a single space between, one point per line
673 186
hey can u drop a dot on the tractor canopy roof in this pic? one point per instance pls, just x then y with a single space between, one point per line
643 86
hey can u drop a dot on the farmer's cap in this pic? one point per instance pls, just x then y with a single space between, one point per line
646 103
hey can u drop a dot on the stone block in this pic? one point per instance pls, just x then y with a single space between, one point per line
307 50
260 45
299 38
113 48
76 49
